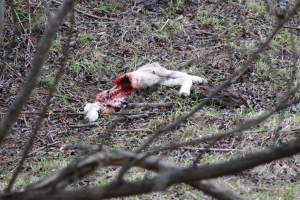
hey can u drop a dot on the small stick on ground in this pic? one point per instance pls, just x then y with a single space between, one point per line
149 105
210 149
87 14
83 125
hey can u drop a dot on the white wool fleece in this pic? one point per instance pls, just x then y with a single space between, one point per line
146 76
153 73
91 111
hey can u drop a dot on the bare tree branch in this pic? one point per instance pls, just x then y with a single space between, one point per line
235 76
45 108
237 131
108 157
88 14
52 187
168 176
37 63
215 190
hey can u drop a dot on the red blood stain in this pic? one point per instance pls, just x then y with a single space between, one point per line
116 95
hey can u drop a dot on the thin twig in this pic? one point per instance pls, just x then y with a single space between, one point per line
105 157
149 105
170 176
132 130
83 125
236 131
165 24
293 27
37 63
42 115
87 14
210 149
235 76
215 190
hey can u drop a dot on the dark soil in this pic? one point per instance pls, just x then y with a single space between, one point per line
114 37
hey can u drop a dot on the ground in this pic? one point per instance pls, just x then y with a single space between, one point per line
209 39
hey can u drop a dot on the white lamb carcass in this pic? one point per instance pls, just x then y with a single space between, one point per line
144 77
152 74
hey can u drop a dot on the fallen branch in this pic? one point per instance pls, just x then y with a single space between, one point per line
92 124
210 149
168 175
215 190
108 157
149 105
132 130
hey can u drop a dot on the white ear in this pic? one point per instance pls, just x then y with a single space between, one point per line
91 111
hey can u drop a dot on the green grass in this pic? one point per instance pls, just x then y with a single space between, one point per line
169 28
20 182
75 67
206 19
47 77
177 7
40 168
297 119
84 67
248 45
210 120
21 14
46 81
47 166
264 70
283 38
285 192
257 7
100 181
55 47
85 39
272 70
109 7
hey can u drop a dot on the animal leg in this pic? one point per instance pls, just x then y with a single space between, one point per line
185 89
172 82
185 83
198 79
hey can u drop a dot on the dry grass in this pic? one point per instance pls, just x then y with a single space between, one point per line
212 33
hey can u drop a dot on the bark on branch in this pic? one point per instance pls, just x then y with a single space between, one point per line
168 175
107 157
37 63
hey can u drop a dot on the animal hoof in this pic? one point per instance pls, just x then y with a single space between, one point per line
124 105
184 94
199 79
202 80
